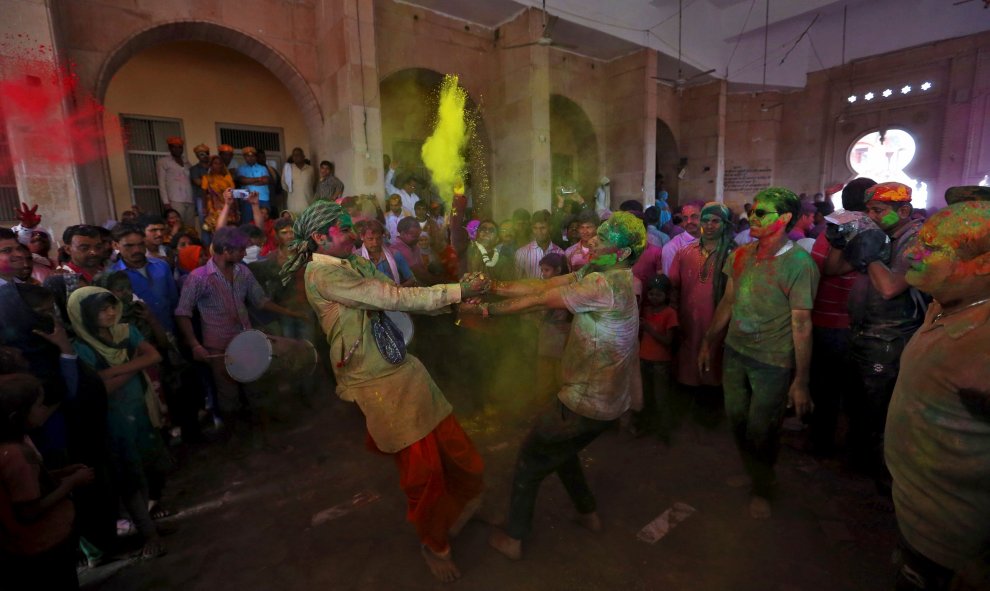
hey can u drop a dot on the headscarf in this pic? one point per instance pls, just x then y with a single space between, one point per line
318 217
889 193
712 266
115 354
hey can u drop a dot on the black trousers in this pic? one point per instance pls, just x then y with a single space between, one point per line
552 445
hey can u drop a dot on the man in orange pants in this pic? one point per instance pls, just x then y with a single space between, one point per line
406 413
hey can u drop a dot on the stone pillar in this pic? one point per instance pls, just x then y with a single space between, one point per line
631 127
352 130
703 142
518 117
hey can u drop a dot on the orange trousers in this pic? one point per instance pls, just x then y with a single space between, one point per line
439 473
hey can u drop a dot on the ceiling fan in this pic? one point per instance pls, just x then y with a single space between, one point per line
680 81
546 40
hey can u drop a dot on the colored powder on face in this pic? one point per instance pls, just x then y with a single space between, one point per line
889 219
56 121
443 152
606 260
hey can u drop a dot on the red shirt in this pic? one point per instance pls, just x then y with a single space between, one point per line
831 308
651 349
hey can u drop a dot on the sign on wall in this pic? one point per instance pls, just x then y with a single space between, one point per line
747 179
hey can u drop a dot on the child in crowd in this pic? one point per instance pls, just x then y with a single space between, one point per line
37 546
555 325
658 325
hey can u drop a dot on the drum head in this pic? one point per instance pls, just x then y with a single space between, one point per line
248 356
404 322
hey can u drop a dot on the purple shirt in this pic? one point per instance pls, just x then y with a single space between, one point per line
222 305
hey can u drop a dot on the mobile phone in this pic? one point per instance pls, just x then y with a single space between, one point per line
241 193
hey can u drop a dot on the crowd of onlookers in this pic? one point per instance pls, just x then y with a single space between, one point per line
112 345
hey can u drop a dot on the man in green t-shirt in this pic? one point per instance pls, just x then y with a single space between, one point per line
767 308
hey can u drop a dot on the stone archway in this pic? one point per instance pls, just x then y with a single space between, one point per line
409 100
573 146
195 30
668 160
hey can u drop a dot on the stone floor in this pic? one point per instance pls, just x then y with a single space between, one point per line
327 514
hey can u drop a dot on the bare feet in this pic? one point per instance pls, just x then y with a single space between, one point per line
153 548
470 508
589 521
759 508
508 546
738 480
441 565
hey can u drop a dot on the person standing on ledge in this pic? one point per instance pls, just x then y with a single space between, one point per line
406 414
600 371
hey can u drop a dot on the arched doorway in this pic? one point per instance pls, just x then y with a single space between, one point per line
97 178
207 94
409 100
886 155
573 147
668 162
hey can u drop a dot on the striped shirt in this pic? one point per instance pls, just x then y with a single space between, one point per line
528 259
831 302
222 306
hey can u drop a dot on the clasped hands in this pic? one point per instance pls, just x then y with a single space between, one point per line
474 285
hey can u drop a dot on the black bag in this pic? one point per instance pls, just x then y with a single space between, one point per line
388 337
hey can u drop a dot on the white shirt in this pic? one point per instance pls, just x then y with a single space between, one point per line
408 199
173 180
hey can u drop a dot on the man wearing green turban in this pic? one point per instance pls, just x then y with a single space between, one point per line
600 370
406 413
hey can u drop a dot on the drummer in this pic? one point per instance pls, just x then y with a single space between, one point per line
405 412
221 290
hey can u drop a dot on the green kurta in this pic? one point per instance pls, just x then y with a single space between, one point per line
401 404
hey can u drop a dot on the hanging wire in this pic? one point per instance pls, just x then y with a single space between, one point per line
739 37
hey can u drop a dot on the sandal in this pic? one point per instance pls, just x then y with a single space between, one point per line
157 511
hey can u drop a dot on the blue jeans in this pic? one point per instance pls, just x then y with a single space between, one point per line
755 400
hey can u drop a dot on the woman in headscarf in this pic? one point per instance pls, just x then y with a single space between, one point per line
214 183
699 284
120 356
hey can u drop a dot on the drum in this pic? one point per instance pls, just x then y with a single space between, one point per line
404 323
253 355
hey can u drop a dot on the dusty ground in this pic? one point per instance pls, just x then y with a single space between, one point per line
328 514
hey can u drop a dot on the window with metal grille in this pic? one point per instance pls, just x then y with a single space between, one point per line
268 139
144 141
9 199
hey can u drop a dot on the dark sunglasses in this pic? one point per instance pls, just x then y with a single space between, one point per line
763 212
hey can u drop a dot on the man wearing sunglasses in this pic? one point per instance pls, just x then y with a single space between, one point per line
769 294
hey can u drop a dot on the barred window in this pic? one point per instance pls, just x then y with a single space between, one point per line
144 141
268 139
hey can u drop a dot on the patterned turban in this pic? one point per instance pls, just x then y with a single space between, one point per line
175 141
318 217
889 193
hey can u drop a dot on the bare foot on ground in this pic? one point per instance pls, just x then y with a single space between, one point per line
508 546
441 565
153 548
589 521
470 509
738 480
759 508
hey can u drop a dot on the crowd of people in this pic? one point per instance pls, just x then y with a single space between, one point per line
112 348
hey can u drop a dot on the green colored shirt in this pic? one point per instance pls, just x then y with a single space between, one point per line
766 290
